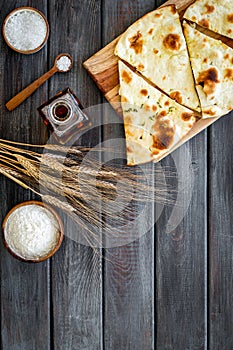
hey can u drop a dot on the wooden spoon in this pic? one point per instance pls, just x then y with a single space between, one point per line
25 93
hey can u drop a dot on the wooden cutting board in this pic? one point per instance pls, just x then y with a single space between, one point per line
103 68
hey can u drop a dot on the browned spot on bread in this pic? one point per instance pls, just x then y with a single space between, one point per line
147 108
229 31
155 51
140 66
167 103
157 15
172 42
176 95
151 31
232 60
210 112
161 144
129 150
208 79
164 77
171 28
162 114
154 108
164 133
128 119
209 8
128 132
144 92
204 23
155 152
126 76
173 9
226 56
186 116
136 42
193 18
228 73
124 99
205 60
230 18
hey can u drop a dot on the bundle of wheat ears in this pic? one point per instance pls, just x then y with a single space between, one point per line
79 185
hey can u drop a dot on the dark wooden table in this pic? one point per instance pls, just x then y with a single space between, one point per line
165 291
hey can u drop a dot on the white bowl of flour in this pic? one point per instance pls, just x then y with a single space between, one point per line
32 231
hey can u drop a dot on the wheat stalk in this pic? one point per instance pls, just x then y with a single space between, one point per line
79 186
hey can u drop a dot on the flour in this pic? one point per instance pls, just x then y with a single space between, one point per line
31 231
25 30
63 63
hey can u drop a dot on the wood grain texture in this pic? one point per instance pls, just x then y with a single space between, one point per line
181 249
129 308
220 235
129 269
76 270
25 316
165 291
21 96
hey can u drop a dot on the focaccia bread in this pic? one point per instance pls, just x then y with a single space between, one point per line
153 122
212 65
216 15
156 47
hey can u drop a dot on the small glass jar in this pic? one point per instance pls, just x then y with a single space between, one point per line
63 115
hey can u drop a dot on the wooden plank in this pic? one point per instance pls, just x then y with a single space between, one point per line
103 69
220 234
129 309
129 269
76 270
181 255
25 314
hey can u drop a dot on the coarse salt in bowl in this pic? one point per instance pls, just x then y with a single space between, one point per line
25 30
32 231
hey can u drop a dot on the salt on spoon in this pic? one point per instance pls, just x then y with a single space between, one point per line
63 63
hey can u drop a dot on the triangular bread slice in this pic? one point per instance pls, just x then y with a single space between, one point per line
156 47
153 122
216 15
212 65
